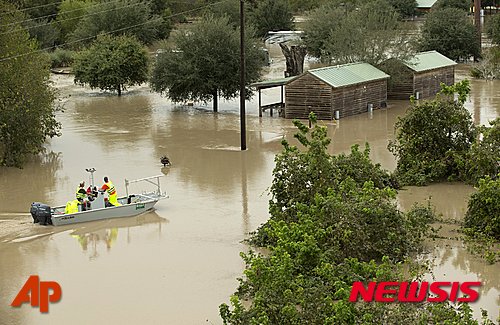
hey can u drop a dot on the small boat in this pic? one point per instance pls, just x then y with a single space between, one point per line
131 205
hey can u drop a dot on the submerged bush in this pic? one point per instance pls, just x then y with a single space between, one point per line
325 232
61 58
483 213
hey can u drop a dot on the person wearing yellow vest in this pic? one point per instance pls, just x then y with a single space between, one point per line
81 195
110 188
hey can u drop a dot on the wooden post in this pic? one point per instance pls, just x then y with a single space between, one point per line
260 104
243 131
477 21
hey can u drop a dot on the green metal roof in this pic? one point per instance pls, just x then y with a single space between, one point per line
425 3
348 74
428 61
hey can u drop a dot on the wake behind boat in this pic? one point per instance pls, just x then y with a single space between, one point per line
98 208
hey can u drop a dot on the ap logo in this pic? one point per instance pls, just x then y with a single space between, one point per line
38 293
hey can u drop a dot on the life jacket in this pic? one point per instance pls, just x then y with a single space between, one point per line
80 195
71 207
111 188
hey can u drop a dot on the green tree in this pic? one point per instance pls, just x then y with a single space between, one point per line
127 17
434 138
484 156
369 32
405 8
271 15
458 4
350 232
69 15
112 63
205 63
27 109
483 213
450 32
492 28
300 6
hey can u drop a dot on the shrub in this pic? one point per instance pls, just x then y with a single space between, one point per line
61 58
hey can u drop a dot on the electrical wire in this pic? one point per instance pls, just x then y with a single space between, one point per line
110 32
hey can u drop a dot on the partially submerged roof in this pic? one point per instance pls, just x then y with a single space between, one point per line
272 83
423 4
348 74
430 60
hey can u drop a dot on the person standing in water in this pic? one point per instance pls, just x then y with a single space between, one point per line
110 188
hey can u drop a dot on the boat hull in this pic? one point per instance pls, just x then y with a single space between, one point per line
126 210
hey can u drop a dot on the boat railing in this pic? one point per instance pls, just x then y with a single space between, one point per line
155 180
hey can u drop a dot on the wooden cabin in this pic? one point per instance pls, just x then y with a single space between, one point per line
349 89
421 76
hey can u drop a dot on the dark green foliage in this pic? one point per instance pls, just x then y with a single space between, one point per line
405 8
300 6
483 213
464 5
46 33
112 63
27 110
484 156
346 230
61 58
69 15
360 31
205 62
127 17
492 28
450 32
432 140
271 15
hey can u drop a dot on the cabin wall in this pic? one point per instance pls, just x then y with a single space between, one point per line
428 83
305 94
401 86
355 99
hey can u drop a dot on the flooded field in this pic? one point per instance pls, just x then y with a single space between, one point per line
177 264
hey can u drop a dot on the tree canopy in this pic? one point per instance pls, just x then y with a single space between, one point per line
451 33
333 221
458 4
27 109
492 28
126 17
271 15
369 32
405 8
204 63
112 63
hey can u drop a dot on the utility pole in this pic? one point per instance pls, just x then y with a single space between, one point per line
243 130
477 20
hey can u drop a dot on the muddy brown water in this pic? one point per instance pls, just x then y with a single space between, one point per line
177 264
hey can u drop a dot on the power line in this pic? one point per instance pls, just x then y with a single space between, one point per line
35 7
110 32
52 15
87 15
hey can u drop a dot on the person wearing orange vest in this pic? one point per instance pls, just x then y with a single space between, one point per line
110 188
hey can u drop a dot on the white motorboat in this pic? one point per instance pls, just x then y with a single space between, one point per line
97 209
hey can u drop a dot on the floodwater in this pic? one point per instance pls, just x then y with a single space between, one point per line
177 264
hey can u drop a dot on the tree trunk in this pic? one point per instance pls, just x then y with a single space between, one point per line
216 102
119 90
294 56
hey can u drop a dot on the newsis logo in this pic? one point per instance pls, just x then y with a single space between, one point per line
38 293
415 291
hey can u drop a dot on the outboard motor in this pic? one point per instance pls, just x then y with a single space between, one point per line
41 213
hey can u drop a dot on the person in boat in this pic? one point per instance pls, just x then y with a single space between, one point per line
81 195
110 188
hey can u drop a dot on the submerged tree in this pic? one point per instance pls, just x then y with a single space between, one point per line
450 32
27 109
205 63
126 17
112 63
361 31
434 138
